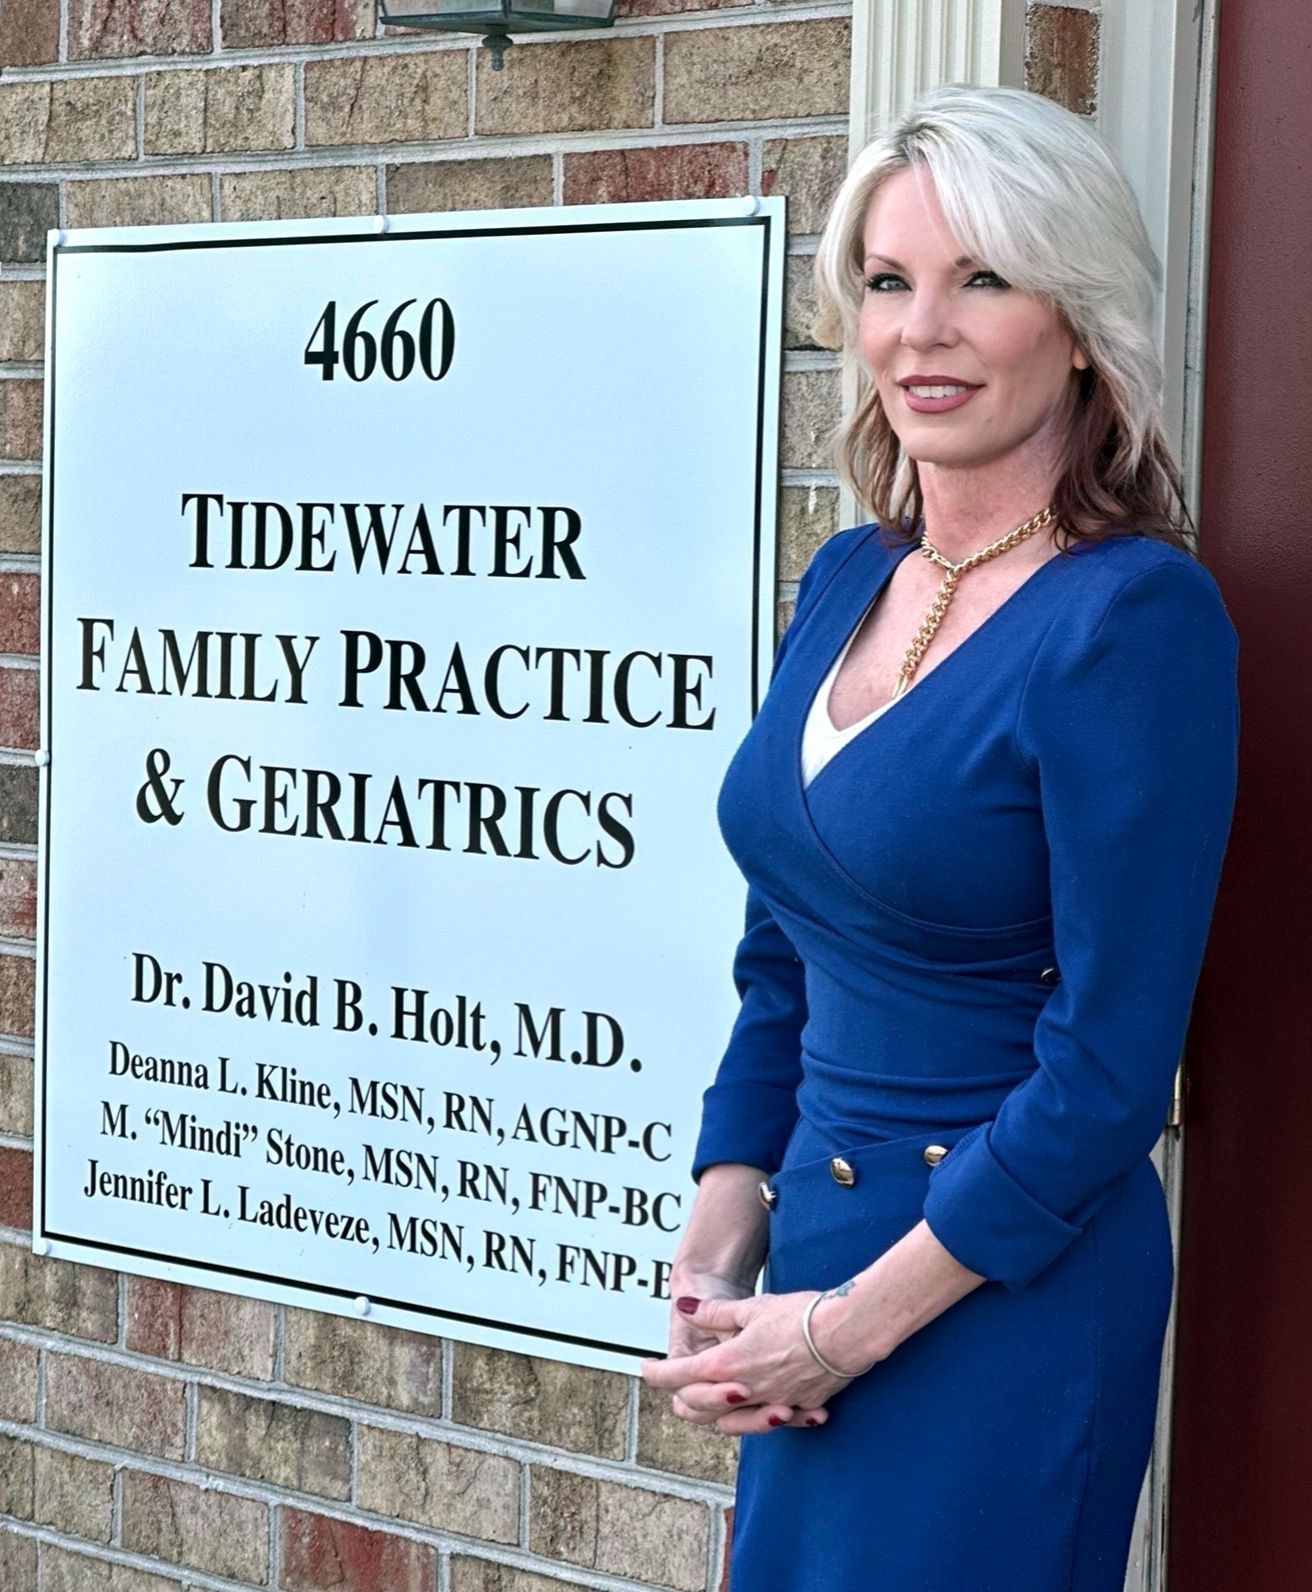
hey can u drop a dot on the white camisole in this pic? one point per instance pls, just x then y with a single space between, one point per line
820 739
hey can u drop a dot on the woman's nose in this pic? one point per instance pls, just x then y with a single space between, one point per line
927 321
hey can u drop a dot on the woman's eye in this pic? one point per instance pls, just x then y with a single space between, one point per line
875 283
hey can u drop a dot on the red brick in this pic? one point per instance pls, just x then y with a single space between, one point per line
657 8
18 996
15 1188
1061 56
582 85
205 1528
318 1552
16 1091
20 708
17 899
769 72
154 1317
27 211
200 1326
18 799
20 613
17 1554
17 1478
257 23
17 1388
20 497
105 28
60 1295
20 418
808 173
286 1445
671 171
111 1403
395 1370
29 32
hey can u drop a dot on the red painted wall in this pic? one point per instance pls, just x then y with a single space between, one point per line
1241 1481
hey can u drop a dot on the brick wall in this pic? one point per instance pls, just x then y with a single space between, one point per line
157 1437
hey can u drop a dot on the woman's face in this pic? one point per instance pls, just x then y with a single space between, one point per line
925 314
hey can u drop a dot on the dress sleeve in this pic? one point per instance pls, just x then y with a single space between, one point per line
750 1108
1131 722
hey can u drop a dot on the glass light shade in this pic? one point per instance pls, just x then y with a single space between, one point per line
507 16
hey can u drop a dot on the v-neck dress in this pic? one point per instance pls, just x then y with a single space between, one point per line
822 738
970 950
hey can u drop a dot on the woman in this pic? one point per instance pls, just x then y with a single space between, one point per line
982 814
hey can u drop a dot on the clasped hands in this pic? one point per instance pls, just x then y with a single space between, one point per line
745 1366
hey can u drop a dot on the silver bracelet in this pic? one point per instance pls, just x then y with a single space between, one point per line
815 1353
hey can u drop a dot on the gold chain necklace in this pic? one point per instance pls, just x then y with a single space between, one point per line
943 597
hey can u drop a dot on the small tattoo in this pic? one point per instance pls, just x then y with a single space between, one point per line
843 1288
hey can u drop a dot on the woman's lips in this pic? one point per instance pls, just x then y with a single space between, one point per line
937 406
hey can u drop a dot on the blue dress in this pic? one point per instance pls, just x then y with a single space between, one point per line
980 928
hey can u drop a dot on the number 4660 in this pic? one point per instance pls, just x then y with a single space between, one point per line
396 348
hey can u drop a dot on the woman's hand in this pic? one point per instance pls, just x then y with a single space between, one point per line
759 1363
689 1336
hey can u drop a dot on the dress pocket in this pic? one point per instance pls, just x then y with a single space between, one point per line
833 1215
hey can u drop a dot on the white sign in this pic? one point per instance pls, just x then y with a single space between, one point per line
406 595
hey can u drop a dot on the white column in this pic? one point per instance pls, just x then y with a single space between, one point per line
900 47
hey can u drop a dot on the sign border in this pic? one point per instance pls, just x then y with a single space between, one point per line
768 216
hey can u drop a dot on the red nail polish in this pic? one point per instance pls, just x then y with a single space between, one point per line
776 1420
687 1304
811 1421
736 1398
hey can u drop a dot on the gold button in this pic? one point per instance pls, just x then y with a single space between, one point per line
842 1171
768 1194
934 1153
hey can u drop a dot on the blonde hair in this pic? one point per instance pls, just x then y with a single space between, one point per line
1033 191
